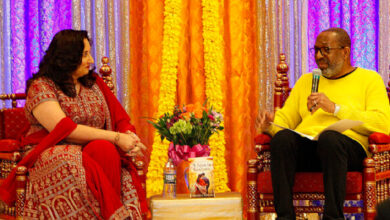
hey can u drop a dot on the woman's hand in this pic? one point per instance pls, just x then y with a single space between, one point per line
127 142
130 143
137 150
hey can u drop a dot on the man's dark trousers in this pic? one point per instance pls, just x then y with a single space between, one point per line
334 154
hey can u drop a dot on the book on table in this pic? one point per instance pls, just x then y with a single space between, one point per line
201 177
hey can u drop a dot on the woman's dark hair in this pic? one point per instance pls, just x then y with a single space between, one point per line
61 59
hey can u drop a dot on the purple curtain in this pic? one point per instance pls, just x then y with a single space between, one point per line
358 17
33 23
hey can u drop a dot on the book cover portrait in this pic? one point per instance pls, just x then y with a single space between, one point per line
201 177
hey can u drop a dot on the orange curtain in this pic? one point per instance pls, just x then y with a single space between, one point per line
146 22
238 28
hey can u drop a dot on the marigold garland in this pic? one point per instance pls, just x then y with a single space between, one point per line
167 95
213 59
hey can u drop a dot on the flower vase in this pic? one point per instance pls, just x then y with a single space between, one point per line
182 177
179 155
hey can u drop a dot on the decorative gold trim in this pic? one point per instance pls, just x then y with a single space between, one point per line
252 170
372 170
370 183
21 178
251 210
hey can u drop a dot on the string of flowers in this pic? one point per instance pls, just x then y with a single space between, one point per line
213 59
167 95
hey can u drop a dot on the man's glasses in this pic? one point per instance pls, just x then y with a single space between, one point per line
323 50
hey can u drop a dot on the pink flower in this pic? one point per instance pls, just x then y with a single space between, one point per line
211 117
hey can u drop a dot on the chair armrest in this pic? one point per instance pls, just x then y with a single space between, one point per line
262 138
379 148
7 162
12 156
262 143
9 145
379 138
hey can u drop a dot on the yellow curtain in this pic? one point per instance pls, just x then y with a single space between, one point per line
238 28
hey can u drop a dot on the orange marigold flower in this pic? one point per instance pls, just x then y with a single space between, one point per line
186 115
197 109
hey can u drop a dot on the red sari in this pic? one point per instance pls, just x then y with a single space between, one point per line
72 181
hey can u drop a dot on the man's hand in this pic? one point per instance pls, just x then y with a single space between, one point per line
316 101
263 121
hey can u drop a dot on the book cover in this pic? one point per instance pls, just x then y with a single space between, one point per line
201 177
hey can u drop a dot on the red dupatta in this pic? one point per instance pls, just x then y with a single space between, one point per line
61 131
121 122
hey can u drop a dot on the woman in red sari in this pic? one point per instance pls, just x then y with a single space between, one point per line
79 143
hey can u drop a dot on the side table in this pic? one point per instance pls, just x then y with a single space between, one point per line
223 206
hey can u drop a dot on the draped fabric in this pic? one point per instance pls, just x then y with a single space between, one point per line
27 29
359 18
254 33
282 28
241 87
383 55
107 23
240 75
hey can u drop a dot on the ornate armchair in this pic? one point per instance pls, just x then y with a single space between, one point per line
364 189
12 124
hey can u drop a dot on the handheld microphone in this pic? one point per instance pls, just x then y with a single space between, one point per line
314 84
316 80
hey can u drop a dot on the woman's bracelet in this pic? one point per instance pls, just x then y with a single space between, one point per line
117 137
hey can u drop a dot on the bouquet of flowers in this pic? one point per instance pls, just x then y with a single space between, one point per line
188 129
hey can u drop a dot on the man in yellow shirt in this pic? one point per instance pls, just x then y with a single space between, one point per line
344 92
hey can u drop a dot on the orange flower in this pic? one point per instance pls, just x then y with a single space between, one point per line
186 115
196 108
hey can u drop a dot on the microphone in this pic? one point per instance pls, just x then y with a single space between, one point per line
314 84
316 80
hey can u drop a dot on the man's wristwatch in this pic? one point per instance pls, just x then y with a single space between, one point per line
336 109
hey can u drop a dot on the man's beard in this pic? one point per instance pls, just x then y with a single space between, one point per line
332 69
